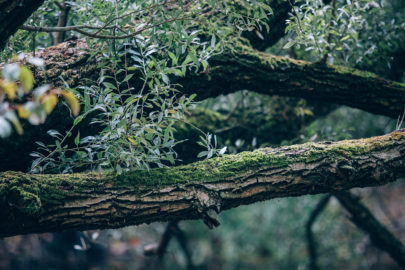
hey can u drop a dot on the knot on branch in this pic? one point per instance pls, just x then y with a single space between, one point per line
205 201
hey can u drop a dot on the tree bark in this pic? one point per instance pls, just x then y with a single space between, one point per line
46 203
246 68
13 13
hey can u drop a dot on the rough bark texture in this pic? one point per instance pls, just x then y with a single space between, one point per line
248 69
13 14
41 203
379 235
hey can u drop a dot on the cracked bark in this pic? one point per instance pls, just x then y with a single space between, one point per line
47 203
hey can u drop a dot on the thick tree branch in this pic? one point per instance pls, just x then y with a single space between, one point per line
275 75
40 203
248 69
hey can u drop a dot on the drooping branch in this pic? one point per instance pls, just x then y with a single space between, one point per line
246 68
379 235
40 203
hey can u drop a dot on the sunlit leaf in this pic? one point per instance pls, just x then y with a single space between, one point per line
9 87
23 112
72 101
49 103
26 78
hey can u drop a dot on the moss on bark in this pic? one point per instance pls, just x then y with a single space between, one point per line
58 202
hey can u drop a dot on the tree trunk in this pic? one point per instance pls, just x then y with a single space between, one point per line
45 203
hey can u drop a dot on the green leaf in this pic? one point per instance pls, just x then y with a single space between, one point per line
77 139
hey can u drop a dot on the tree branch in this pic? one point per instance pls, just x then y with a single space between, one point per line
313 255
379 235
13 14
41 203
246 68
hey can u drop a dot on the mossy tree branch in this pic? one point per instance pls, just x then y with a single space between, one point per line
41 203
246 68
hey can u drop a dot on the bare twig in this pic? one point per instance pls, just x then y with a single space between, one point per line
79 29
296 15
313 256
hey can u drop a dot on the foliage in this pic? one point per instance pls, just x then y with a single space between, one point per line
144 47
18 99
352 32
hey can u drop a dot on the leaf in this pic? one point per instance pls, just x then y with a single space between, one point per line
259 35
213 41
9 87
222 151
132 141
11 72
72 101
289 44
77 139
165 78
202 154
49 103
344 38
26 78
173 57
128 77
10 115
23 112
5 128
54 133
187 60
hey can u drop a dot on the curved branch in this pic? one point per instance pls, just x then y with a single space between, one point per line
40 203
246 68
275 75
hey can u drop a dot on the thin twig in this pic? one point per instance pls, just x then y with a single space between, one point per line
296 15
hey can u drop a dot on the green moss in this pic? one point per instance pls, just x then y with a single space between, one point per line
29 192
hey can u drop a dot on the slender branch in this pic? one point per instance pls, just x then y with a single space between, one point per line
79 29
313 255
160 248
380 236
